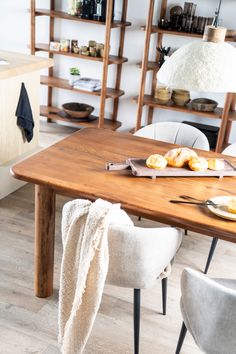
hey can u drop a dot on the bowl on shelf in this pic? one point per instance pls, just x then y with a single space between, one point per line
204 105
180 97
77 110
162 95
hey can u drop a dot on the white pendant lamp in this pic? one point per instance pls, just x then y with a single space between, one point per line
206 66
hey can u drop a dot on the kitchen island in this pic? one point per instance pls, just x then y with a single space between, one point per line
15 69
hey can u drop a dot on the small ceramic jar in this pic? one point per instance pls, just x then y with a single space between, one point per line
180 97
162 95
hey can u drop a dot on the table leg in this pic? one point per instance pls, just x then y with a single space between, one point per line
44 240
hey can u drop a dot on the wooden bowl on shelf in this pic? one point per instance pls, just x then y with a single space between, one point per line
204 105
77 110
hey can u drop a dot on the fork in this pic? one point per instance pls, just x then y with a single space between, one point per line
195 203
207 201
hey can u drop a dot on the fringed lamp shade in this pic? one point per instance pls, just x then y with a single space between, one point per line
201 66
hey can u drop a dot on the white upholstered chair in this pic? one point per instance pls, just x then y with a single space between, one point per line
137 258
229 151
209 312
175 133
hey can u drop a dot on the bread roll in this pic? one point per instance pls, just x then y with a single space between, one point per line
156 161
179 157
232 206
198 164
216 164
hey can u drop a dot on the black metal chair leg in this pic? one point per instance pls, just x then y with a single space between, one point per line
210 255
137 296
139 218
164 294
181 338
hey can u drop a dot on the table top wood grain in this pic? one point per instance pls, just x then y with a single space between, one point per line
76 167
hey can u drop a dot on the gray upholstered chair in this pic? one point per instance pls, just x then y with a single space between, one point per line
209 312
229 151
175 133
137 258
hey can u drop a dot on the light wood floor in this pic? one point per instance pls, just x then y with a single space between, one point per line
29 325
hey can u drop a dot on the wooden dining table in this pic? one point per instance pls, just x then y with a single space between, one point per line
76 167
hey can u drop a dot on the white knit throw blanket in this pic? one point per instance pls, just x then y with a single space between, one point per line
83 270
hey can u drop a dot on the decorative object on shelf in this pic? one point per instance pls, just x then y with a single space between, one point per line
80 9
163 53
74 46
204 104
88 9
77 110
73 7
180 97
207 66
100 49
84 50
55 46
88 84
176 10
100 7
175 17
92 43
65 45
93 49
162 95
74 75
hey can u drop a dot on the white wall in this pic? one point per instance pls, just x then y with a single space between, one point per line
15 36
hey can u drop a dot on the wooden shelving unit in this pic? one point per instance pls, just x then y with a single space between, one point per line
51 81
226 114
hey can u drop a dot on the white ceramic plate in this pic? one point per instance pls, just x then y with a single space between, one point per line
222 209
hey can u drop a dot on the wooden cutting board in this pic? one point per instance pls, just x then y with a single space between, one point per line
138 168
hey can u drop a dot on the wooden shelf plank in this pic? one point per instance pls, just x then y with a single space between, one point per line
66 16
151 102
152 66
156 29
64 84
50 112
113 59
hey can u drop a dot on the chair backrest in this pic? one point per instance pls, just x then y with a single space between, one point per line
230 150
175 133
209 312
137 256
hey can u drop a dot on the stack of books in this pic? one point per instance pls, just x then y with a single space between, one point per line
87 84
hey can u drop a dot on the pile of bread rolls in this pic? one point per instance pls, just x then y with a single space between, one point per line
183 157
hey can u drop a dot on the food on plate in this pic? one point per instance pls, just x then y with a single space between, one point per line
198 164
232 206
179 157
156 161
216 164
